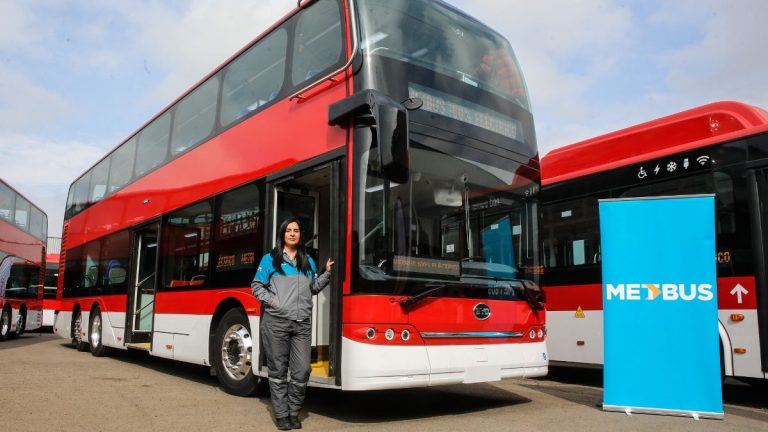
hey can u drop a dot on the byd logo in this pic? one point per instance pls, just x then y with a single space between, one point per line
667 292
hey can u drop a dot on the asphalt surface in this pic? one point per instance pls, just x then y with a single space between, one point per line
47 385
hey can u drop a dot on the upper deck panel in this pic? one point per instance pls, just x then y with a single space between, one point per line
687 130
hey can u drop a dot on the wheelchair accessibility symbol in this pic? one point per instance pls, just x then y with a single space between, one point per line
642 174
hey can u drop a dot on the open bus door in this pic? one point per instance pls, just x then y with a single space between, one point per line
141 295
315 198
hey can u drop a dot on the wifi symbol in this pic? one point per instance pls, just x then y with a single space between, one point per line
702 160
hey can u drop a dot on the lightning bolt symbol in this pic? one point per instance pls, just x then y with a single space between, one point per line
655 291
656 170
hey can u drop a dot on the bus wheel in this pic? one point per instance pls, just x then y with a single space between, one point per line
77 339
233 355
5 324
20 323
94 335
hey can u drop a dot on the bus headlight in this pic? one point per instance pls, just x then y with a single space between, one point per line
370 333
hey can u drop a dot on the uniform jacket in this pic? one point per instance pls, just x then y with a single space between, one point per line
291 292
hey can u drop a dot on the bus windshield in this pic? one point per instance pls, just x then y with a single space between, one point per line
457 219
440 38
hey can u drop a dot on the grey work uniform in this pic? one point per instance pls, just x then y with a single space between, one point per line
286 328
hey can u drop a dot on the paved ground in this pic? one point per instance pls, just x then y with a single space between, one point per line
46 385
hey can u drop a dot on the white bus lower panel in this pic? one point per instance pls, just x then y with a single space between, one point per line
377 367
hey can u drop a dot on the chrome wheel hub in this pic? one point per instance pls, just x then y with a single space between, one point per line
237 351
96 331
5 323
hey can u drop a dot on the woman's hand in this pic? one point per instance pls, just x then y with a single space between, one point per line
328 265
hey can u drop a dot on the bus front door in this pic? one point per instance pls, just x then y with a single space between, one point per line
313 197
141 299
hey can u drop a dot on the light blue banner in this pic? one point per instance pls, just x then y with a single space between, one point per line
662 352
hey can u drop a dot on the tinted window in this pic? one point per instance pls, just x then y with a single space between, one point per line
152 150
21 218
73 273
238 238
99 177
318 41
24 280
255 78
121 171
195 117
113 263
571 233
7 203
91 265
185 246
80 193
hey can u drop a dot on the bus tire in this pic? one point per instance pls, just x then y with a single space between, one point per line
95 331
233 355
77 339
5 323
21 322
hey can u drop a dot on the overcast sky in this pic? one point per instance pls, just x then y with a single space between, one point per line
77 76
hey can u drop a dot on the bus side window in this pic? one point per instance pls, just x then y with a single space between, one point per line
318 42
255 78
571 235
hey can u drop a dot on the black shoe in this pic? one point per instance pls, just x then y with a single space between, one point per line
295 423
283 423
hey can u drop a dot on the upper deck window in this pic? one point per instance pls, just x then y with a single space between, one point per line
255 78
433 35
121 171
195 117
318 41
153 145
22 213
7 203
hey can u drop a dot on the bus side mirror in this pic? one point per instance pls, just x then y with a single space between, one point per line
390 120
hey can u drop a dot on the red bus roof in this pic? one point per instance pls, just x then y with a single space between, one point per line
52 258
687 130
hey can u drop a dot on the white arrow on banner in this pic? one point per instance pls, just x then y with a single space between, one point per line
738 291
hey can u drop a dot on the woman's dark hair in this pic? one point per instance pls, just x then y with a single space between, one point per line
302 259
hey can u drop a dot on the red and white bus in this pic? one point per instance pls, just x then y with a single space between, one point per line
720 148
23 229
399 132
50 284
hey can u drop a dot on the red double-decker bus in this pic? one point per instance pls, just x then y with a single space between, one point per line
720 149
399 133
23 229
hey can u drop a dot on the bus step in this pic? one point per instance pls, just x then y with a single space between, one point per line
144 346
320 369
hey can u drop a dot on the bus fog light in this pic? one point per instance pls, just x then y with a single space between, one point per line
541 334
389 334
532 334
370 333
405 335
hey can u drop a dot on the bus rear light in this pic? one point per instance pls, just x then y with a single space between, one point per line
540 334
532 334
369 333
740 350
580 343
737 317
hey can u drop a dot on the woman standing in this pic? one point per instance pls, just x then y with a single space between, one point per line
285 282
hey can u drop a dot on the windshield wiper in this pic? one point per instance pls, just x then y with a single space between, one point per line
420 296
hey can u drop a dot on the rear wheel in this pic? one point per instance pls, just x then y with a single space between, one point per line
21 322
77 331
5 323
233 355
94 335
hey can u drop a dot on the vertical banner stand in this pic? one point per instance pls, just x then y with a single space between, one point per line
662 349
